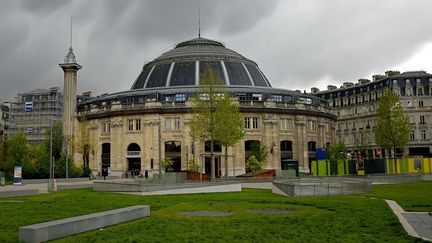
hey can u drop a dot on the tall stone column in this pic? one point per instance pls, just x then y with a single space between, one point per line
302 143
70 68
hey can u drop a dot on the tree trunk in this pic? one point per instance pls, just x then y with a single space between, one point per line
394 160
213 176
226 161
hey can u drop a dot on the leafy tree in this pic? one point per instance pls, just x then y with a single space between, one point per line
392 125
193 165
337 151
73 170
259 151
168 164
253 164
3 152
39 157
17 155
57 140
82 142
203 122
229 125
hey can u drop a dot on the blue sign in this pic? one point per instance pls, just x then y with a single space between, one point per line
321 154
28 106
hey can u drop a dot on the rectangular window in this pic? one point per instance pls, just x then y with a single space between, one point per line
277 98
172 123
423 134
408 92
420 91
168 123
251 123
422 120
180 97
255 124
138 124
106 127
176 123
130 125
412 135
420 103
247 123
312 125
285 124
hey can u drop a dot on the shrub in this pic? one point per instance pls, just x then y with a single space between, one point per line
167 164
253 165
193 165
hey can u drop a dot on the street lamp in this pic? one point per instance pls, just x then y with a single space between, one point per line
51 182
159 146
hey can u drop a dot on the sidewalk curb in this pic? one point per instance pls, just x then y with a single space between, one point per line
398 210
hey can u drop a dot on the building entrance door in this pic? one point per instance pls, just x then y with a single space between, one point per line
217 166
134 165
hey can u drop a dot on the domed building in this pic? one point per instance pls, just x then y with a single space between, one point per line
137 128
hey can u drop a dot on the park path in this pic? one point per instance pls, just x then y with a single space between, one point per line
416 224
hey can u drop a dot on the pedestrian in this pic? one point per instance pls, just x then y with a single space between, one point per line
146 174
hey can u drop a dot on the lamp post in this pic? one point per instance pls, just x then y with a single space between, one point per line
67 159
51 182
159 147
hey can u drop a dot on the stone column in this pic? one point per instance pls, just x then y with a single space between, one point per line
70 68
302 143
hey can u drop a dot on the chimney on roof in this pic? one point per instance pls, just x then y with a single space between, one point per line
363 81
87 94
377 77
391 73
331 87
347 84
314 90
53 89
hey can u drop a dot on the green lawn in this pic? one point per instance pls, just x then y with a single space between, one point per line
414 197
320 219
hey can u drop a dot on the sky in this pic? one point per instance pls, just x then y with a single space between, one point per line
298 44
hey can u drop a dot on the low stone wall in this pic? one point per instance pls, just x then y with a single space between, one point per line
321 187
19 193
60 228
391 179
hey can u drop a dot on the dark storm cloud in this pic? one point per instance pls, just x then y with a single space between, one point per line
347 40
44 6
296 43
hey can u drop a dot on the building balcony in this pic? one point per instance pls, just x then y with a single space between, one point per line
117 107
133 154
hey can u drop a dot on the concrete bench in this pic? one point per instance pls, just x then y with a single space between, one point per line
65 227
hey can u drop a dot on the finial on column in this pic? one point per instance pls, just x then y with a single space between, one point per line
199 20
70 57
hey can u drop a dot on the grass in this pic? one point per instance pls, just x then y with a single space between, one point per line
319 219
413 197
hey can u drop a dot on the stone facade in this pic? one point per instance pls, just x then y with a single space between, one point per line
355 107
300 124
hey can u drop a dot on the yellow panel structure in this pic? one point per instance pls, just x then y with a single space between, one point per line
411 167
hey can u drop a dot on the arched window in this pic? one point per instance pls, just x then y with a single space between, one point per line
217 148
285 145
133 150
311 146
172 146
286 149
133 147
